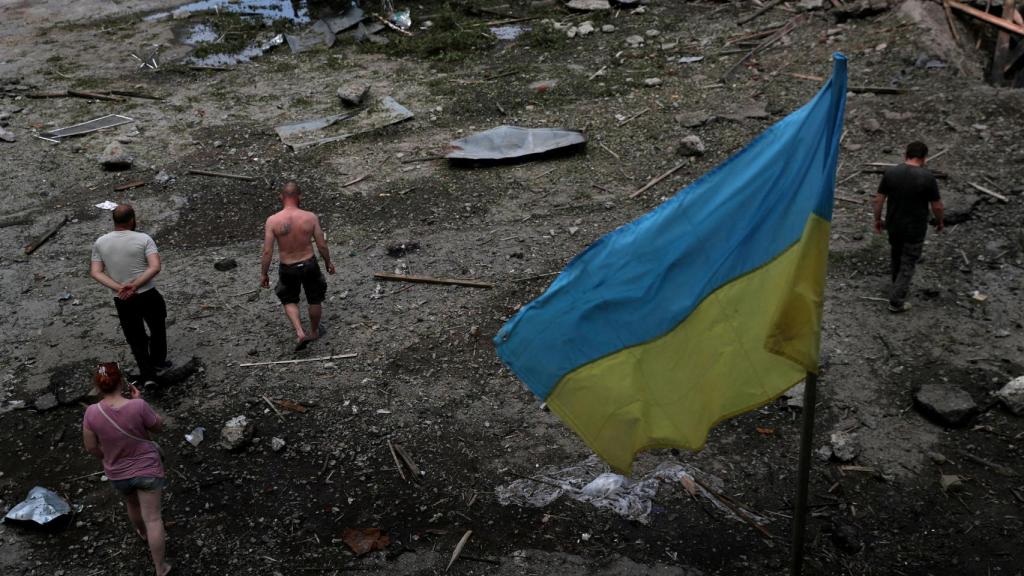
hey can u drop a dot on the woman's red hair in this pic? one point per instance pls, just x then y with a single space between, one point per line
107 377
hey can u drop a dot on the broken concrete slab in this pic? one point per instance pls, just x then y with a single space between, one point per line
355 95
505 143
382 112
115 157
1012 395
945 404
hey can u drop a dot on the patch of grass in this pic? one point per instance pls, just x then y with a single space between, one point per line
451 38
543 36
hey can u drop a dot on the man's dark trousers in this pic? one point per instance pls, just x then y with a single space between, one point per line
145 309
904 260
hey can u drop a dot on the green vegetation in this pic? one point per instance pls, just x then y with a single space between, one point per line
451 38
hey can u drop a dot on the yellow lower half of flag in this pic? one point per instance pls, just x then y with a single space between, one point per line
744 345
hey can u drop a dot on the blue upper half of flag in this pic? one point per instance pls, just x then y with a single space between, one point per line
641 280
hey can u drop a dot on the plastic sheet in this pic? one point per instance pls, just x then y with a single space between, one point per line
513 142
42 506
591 481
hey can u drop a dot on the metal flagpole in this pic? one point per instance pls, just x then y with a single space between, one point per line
803 474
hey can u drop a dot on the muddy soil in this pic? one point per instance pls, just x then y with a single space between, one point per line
425 374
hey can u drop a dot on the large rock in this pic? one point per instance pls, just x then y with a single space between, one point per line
354 95
237 433
46 402
945 404
1012 395
116 157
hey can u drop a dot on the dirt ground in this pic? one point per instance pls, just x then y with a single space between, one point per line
425 374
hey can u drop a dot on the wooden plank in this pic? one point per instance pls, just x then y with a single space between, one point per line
950 21
1002 50
759 11
220 174
46 236
984 190
432 280
1002 23
129 185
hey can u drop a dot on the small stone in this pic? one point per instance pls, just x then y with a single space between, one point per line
651 82
871 125
573 230
937 458
7 135
217 143
951 483
1012 395
46 402
823 453
588 5
947 405
586 28
634 40
652 33
115 157
881 47
236 433
225 264
353 96
795 396
607 28
571 32
639 10
277 444
811 4
691 145
163 177
845 446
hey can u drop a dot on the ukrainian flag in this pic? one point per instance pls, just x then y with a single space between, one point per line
707 307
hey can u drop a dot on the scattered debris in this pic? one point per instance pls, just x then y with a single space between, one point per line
514 143
364 540
319 35
795 396
690 59
107 205
199 172
997 468
431 280
225 264
101 123
588 5
458 549
7 136
401 249
984 190
946 404
236 433
277 444
652 82
655 180
195 437
1012 395
130 185
35 244
299 360
383 112
163 178
46 402
845 446
42 507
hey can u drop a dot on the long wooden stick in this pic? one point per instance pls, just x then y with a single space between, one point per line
42 239
220 174
984 190
300 360
1003 23
431 280
94 96
659 179
759 11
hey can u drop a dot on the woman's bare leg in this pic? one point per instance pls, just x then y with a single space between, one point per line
149 503
135 514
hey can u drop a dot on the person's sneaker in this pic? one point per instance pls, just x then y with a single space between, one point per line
899 309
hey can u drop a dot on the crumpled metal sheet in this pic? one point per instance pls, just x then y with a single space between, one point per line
511 142
591 481
382 112
42 506
101 123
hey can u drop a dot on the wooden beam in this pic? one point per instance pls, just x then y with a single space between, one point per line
46 236
1002 23
431 280
1002 49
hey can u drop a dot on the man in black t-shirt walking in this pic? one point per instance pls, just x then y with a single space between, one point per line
910 189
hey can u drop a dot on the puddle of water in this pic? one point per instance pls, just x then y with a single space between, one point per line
294 10
232 58
195 34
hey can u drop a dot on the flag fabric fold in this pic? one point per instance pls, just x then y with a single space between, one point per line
704 308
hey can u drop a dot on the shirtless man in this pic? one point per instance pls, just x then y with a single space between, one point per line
293 228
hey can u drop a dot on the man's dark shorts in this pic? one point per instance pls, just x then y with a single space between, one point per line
301 276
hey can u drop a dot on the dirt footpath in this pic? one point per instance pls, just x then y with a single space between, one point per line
425 375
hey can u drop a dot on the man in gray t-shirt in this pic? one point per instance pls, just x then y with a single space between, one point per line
126 261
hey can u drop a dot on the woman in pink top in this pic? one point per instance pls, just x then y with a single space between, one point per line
116 430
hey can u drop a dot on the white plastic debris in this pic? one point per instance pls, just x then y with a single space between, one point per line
107 205
195 437
42 506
